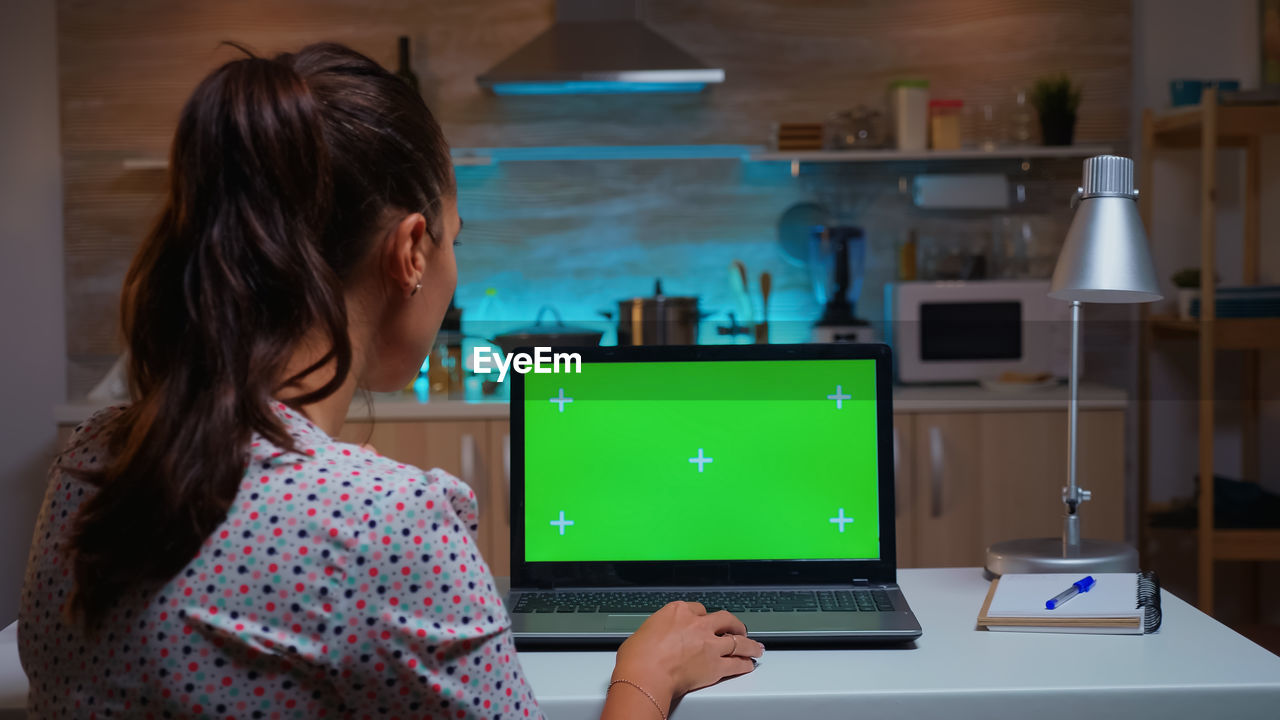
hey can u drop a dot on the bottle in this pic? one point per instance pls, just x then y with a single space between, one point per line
907 258
909 101
404 71
1020 118
450 336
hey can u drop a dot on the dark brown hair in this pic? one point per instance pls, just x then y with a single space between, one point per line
280 172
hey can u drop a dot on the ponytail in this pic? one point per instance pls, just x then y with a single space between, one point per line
280 170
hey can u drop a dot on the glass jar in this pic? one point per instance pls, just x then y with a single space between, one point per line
988 128
944 124
958 254
1021 120
858 129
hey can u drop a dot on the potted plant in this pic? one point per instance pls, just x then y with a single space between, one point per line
1056 100
1187 280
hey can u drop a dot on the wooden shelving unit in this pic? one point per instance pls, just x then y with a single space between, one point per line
1228 333
1209 127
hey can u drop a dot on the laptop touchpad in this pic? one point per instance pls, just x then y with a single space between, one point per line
624 623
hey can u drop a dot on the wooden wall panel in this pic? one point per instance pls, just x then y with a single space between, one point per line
127 66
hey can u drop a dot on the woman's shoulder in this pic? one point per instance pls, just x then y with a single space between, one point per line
86 447
393 485
340 472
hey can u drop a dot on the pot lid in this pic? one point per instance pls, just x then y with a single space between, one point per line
659 296
551 328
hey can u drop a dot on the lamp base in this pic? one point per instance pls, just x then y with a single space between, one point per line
1044 555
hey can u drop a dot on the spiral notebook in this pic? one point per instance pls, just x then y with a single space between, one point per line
1118 604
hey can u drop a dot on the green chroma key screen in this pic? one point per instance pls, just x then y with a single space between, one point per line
706 460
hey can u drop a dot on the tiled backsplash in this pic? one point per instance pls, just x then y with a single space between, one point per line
579 236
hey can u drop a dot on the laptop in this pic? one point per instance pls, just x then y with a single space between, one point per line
752 478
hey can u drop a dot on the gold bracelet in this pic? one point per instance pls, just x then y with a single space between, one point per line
652 699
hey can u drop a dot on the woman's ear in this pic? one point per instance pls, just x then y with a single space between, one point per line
406 260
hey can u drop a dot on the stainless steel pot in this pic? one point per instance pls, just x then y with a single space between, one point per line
548 334
658 319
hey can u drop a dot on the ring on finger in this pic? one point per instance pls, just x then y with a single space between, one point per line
734 651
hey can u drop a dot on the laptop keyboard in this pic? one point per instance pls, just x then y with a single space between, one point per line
733 601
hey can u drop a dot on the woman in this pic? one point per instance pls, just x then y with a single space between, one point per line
211 549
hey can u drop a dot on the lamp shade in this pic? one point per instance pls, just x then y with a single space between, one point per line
1105 258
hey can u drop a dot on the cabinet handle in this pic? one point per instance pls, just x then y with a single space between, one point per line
938 463
506 473
467 449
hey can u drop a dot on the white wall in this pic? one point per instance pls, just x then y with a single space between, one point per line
1202 39
33 361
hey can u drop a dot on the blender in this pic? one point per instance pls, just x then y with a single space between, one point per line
837 262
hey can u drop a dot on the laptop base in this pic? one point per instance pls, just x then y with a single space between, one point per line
599 630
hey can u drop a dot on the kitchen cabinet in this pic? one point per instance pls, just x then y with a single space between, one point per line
983 477
499 478
904 488
945 501
64 435
964 480
471 450
969 471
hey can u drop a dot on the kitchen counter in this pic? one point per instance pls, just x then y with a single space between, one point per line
912 399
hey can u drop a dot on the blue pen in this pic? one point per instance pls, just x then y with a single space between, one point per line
1077 587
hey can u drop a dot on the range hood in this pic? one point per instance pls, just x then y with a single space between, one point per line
598 46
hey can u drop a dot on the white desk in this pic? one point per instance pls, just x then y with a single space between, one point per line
1194 667
13 683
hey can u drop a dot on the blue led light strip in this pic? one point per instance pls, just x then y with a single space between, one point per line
585 87
610 152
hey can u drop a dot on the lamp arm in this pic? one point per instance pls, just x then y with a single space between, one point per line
1072 495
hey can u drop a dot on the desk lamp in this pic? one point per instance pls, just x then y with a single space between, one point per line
1104 260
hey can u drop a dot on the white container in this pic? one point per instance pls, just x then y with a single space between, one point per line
909 101
1186 296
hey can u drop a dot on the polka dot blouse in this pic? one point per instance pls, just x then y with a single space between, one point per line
341 584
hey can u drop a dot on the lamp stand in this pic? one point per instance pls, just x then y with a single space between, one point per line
1069 553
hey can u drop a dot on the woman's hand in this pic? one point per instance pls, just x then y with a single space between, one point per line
681 648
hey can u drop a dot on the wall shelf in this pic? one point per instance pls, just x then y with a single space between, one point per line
889 155
162 163
571 153
146 163
1235 124
1228 333
483 157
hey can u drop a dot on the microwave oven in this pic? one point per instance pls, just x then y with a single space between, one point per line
967 331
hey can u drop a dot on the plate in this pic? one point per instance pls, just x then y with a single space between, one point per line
793 230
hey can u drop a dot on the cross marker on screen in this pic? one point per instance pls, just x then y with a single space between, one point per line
700 460
564 523
841 520
839 398
562 400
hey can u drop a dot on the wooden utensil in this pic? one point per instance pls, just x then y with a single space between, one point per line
766 285
762 327
738 282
